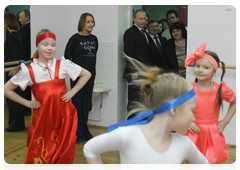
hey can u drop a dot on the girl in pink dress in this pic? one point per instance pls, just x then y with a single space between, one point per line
206 131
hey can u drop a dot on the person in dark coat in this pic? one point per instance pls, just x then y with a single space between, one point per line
13 52
175 52
136 45
82 49
157 45
25 33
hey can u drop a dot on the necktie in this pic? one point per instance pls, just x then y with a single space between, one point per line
158 45
142 30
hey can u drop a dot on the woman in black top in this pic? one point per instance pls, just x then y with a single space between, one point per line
13 52
82 49
175 49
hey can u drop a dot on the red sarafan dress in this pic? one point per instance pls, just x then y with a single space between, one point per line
52 132
209 141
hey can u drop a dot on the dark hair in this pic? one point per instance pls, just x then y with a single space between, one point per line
150 22
26 13
11 21
148 17
82 20
163 20
135 13
218 101
170 11
178 25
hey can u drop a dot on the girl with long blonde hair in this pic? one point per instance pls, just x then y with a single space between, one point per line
167 105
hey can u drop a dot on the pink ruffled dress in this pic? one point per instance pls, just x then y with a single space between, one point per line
209 141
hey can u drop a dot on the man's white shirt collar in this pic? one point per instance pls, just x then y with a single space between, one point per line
140 29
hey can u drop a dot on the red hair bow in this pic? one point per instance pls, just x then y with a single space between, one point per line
198 54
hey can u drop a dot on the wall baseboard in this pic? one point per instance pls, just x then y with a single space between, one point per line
232 146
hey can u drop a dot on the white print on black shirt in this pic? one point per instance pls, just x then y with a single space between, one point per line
88 45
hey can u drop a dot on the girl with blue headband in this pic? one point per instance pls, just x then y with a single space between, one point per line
168 102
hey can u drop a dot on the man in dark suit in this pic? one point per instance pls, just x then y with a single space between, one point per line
136 42
24 19
157 45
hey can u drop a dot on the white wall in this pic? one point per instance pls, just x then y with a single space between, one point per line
217 27
59 19
124 22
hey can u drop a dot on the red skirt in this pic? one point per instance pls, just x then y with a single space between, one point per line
52 132
209 141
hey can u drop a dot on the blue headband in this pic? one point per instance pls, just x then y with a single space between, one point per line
139 119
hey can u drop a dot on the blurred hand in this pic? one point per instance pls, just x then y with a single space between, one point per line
134 76
67 96
33 104
221 126
193 127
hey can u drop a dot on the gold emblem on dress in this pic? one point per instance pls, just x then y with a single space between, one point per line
38 160
56 137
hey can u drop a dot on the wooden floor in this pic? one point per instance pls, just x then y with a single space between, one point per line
15 146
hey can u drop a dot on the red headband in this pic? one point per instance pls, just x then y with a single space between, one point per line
199 53
44 36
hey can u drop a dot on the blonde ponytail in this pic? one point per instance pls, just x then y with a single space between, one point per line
157 88
149 73
18 68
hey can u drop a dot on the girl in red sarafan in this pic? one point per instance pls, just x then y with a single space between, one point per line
207 131
52 132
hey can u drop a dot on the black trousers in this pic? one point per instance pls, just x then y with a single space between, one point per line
26 94
134 93
16 113
82 102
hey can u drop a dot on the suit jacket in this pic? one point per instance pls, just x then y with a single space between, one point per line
26 41
135 46
157 58
171 57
